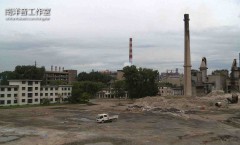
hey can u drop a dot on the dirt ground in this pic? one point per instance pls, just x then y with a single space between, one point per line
147 121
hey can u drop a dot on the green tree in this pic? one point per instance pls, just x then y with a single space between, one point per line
22 72
166 84
85 97
119 88
94 77
45 101
82 91
5 76
140 82
29 72
58 82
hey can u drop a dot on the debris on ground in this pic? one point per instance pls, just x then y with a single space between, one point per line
179 105
218 104
234 99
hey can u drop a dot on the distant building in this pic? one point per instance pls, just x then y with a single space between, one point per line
108 93
169 91
233 82
203 84
65 76
120 74
21 92
172 77
72 75
110 73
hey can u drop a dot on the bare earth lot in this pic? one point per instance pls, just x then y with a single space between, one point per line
148 121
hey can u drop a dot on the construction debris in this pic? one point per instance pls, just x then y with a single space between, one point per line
218 104
234 99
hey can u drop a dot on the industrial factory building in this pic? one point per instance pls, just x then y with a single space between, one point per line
59 74
22 92
202 84
233 82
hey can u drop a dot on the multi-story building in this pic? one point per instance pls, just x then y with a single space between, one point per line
8 95
203 84
120 75
65 76
172 77
110 93
233 82
20 92
169 91
113 74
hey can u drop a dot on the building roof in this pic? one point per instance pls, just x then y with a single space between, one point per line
49 86
65 85
23 80
56 72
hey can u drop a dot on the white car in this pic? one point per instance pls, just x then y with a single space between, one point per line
101 118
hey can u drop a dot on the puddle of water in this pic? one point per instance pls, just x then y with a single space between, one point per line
84 119
100 143
4 139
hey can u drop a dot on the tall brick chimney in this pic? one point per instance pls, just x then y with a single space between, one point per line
187 59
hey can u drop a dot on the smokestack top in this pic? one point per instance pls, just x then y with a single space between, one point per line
130 51
186 17
239 60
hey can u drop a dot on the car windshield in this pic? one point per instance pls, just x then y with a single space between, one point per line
99 117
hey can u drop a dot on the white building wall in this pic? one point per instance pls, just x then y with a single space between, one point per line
8 95
56 93
29 91
21 92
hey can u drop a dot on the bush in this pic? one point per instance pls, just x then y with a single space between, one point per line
45 101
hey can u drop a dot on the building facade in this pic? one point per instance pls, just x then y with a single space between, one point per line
65 76
169 91
233 82
172 77
203 84
22 92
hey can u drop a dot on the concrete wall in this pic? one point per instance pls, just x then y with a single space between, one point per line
21 92
219 82
8 95
120 75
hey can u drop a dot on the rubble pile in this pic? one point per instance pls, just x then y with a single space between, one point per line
179 104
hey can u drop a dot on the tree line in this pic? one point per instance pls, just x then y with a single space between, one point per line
138 82
22 72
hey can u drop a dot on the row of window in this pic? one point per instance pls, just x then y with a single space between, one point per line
56 94
30 82
7 95
8 102
16 89
9 89
46 89
31 94
2 102
15 101
30 89
65 88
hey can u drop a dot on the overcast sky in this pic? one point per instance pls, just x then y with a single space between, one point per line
94 34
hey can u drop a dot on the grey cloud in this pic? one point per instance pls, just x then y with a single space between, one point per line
159 50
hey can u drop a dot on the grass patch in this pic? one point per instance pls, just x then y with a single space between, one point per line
91 104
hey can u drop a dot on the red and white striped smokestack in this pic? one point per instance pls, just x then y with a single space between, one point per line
130 51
